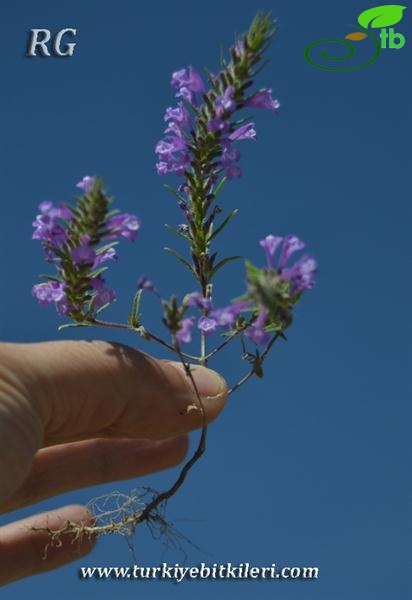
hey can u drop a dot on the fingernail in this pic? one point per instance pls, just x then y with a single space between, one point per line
209 384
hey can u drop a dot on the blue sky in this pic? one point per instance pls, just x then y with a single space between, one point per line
310 466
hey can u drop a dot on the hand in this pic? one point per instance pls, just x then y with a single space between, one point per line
79 413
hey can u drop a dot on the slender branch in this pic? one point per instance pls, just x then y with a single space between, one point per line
228 340
241 382
269 346
145 334
252 370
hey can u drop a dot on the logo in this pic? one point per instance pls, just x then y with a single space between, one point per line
380 17
40 38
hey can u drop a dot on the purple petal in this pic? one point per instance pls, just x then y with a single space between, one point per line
225 103
291 244
197 300
256 332
270 244
84 254
172 144
51 291
184 334
217 124
144 283
301 274
263 99
180 114
110 254
86 184
244 132
207 326
225 317
124 225
233 172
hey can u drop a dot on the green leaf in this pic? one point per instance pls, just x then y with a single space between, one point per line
185 262
102 308
106 247
67 325
50 277
253 273
222 57
174 192
97 272
90 308
225 222
134 317
262 66
111 213
56 251
381 16
219 186
178 233
222 263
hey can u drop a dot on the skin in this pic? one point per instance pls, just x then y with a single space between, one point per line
79 413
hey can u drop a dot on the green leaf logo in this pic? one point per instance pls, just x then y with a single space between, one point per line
381 16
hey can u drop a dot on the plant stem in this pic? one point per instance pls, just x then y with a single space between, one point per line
146 514
146 334
203 359
252 370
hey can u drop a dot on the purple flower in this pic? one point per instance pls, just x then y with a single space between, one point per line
172 150
184 333
244 132
225 103
217 124
256 332
86 184
55 212
233 172
188 83
103 295
144 283
175 129
51 291
301 274
65 212
48 231
196 299
230 155
84 254
226 317
263 99
173 164
46 227
207 326
124 225
109 254
270 244
290 245
180 119
46 207
170 145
